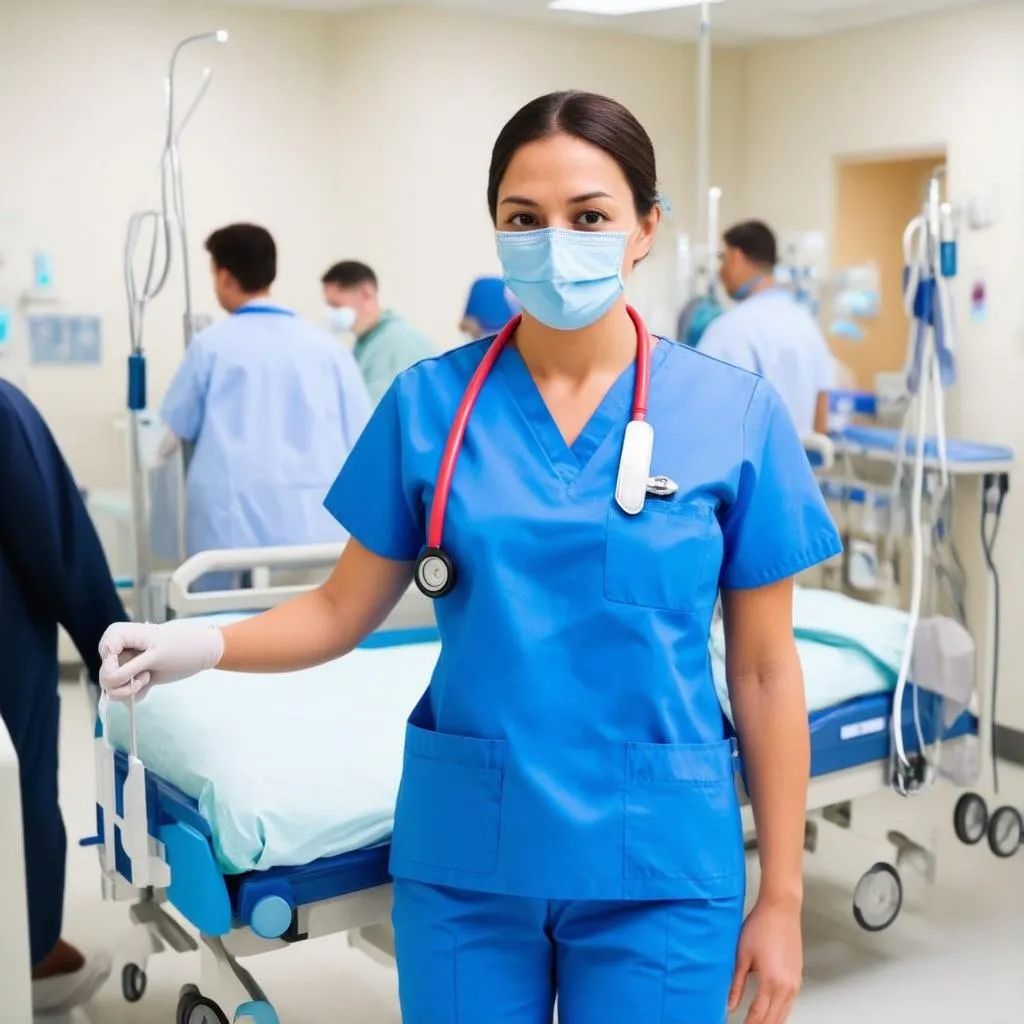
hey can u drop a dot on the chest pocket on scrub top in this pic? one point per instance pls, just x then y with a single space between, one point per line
659 558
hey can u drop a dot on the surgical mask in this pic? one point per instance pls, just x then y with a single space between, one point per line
341 318
744 290
565 279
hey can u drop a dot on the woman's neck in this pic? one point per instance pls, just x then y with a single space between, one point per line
607 346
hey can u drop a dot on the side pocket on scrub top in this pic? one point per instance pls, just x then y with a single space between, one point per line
449 804
658 559
682 819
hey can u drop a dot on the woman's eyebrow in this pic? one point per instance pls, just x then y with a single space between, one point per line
585 198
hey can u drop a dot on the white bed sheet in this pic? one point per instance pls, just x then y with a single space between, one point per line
286 768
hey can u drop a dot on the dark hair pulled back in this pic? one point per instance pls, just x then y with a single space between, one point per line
601 121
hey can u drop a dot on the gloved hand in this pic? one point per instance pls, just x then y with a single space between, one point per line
137 655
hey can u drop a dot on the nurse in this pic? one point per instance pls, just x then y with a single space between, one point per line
386 344
568 823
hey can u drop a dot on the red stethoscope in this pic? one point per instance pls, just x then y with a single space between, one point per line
435 570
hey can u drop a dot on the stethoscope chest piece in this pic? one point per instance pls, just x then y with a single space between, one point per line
435 573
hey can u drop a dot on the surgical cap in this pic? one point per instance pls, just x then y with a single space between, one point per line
491 304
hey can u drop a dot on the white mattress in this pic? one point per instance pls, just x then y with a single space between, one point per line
286 768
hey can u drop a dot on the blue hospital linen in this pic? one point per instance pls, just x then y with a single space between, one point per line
773 334
286 768
847 648
273 404
571 744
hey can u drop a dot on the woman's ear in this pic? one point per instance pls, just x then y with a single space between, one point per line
640 247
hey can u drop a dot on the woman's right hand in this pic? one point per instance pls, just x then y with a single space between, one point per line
136 655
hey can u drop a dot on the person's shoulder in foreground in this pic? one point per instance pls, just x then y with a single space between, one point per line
11 396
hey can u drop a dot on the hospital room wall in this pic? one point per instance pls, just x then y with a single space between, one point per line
363 135
81 116
419 96
950 82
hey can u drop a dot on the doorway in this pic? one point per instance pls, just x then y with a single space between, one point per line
875 199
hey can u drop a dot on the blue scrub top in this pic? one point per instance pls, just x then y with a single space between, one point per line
571 744
274 405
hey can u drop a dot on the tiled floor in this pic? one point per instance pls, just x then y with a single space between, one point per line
955 954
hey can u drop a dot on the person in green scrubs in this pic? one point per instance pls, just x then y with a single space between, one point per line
386 344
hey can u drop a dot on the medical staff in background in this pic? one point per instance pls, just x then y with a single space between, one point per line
271 402
568 823
52 573
768 331
489 307
386 344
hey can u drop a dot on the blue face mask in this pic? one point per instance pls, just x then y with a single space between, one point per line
565 279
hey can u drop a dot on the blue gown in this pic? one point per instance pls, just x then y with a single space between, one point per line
52 570
273 405
568 786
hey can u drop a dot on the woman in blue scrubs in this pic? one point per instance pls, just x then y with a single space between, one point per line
568 824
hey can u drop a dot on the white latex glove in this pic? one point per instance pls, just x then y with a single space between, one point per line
137 655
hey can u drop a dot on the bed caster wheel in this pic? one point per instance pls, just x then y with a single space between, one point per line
1005 831
256 1013
878 898
970 819
133 983
194 1008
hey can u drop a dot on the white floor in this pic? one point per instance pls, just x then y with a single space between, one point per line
955 954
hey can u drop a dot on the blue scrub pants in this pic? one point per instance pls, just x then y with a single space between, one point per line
469 957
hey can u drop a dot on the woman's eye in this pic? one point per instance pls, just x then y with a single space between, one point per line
591 219
522 220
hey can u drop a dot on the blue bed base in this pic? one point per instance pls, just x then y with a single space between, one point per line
850 735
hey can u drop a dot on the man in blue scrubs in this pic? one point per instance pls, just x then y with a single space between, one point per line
52 572
271 402
768 331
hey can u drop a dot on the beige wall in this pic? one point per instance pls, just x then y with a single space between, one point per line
81 118
418 97
352 135
954 82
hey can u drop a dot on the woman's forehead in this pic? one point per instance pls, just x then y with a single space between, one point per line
564 166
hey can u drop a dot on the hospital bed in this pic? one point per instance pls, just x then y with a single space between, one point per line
256 859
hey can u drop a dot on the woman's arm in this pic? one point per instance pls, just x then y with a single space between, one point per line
770 710
766 690
321 624
313 628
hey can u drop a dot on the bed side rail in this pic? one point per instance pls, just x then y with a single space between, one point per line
297 569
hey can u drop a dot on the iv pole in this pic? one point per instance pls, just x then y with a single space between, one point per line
158 266
706 198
